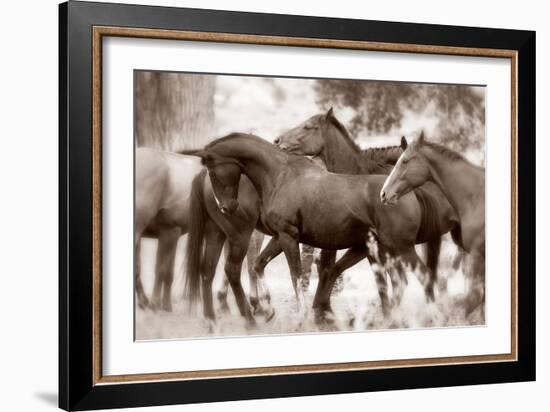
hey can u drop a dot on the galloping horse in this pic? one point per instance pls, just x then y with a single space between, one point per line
324 136
301 202
162 211
462 183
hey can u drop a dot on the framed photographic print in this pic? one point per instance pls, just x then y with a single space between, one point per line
257 205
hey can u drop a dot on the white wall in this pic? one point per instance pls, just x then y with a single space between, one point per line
28 184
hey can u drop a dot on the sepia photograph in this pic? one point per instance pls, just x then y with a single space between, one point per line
273 205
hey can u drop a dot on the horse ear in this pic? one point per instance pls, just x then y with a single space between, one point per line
329 113
404 143
199 153
421 139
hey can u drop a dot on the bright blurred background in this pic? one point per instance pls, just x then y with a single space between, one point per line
178 111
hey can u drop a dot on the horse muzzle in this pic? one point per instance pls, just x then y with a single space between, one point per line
388 199
229 208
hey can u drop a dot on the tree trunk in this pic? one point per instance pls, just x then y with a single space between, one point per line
174 111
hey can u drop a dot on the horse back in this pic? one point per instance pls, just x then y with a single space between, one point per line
163 186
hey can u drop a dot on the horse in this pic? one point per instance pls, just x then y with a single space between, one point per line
162 211
462 182
214 224
323 135
163 183
302 202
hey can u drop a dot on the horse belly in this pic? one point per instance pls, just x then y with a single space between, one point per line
334 235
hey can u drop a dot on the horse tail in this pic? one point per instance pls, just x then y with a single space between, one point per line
430 233
195 240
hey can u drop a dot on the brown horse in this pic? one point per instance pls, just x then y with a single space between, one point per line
324 136
162 211
163 183
301 202
260 297
213 224
462 182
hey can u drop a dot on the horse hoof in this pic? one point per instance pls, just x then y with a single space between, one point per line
155 306
212 327
257 310
224 307
144 304
269 315
250 325
324 318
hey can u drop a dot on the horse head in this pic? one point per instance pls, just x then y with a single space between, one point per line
410 171
306 138
225 176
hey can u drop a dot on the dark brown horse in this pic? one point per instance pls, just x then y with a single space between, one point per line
324 136
301 202
464 185
214 224
241 229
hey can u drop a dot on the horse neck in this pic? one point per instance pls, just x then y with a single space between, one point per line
262 163
458 179
340 155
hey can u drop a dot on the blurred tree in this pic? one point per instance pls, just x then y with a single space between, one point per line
174 111
380 107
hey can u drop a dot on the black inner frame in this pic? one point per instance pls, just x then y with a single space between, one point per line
76 389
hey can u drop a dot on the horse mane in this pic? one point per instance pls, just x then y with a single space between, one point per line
345 133
447 153
387 154
359 163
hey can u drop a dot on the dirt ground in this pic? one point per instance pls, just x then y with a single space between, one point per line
356 307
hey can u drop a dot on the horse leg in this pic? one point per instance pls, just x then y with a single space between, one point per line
164 273
222 295
423 273
476 295
433 248
253 250
307 263
326 261
159 266
378 258
272 250
398 278
214 240
233 267
350 258
458 258
378 268
291 248
143 302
